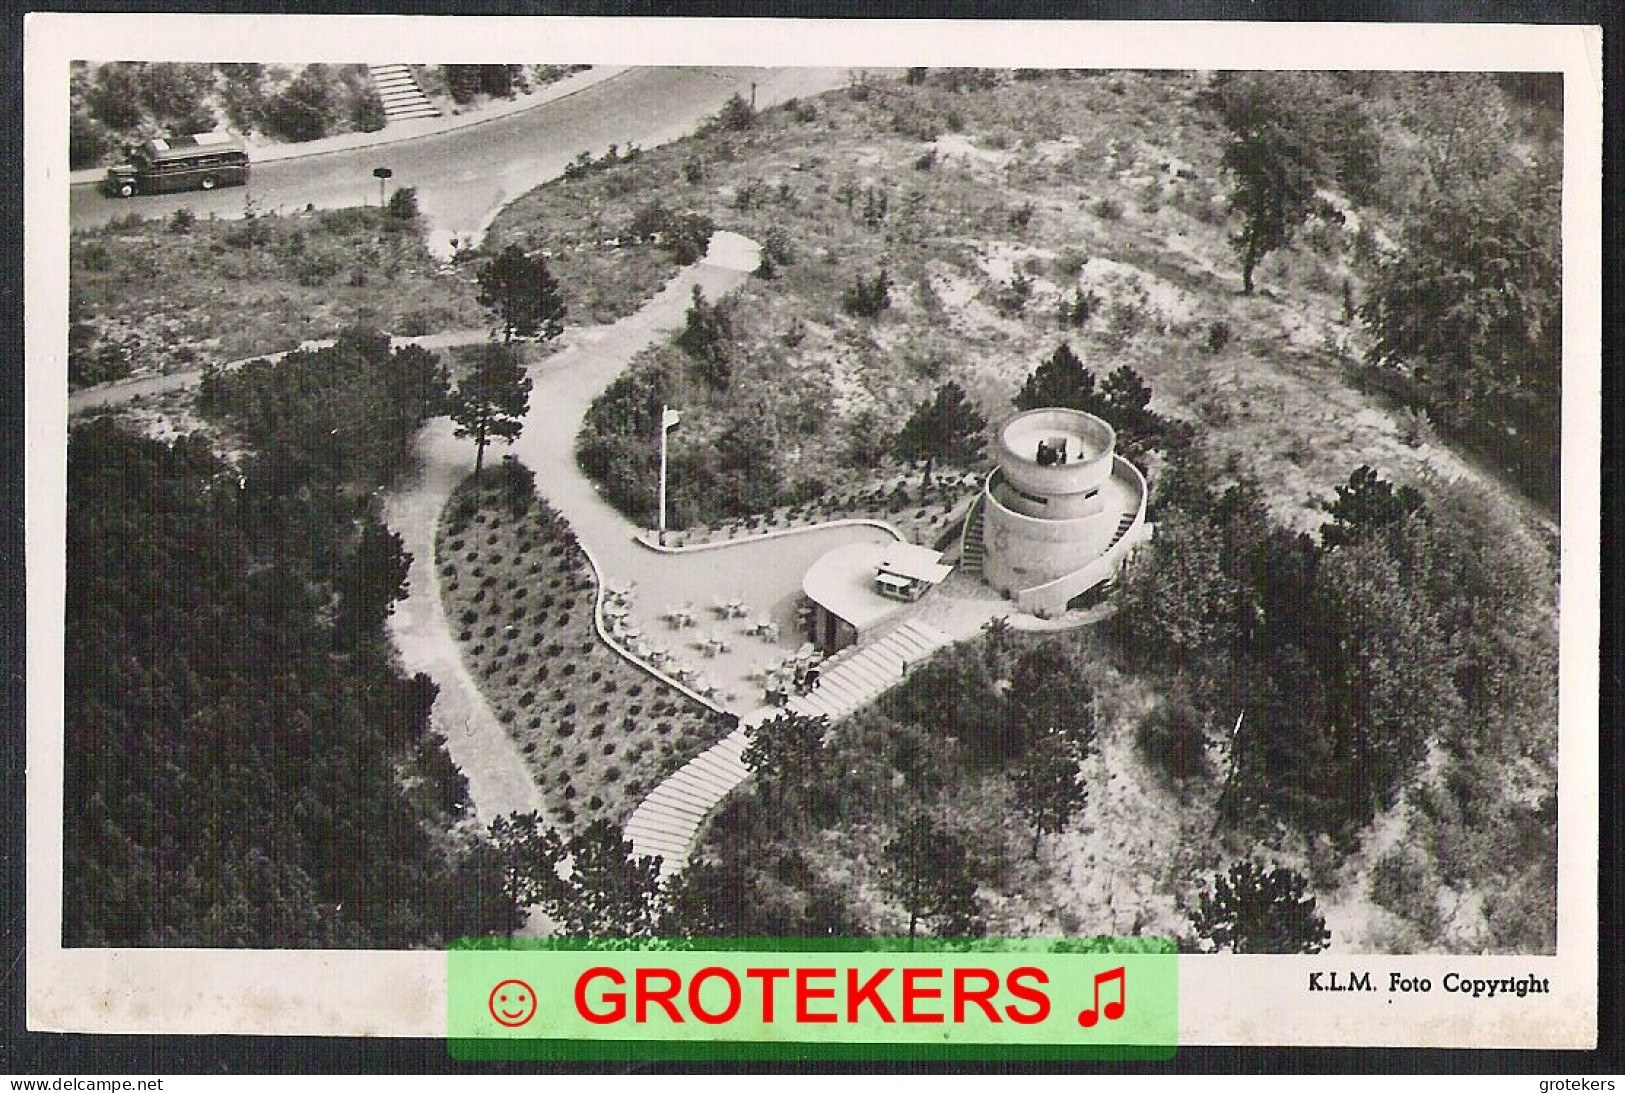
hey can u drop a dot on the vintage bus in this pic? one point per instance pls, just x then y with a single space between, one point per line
163 166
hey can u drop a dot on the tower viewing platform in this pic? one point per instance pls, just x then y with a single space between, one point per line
1060 510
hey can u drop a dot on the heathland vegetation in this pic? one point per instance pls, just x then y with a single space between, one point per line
922 232
120 103
1315 655
183 292
1325 707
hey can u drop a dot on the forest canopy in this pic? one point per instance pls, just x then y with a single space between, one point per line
245 765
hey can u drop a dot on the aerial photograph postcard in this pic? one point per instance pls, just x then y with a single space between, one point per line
857 488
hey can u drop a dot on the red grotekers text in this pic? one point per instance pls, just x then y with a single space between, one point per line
814 995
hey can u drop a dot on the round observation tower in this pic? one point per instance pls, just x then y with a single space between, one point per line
1059 510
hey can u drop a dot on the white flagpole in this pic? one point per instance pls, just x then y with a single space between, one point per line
664 413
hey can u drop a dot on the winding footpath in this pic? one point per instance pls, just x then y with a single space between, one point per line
565 384
668 821
498 780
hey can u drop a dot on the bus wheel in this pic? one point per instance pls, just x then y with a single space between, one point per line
207 183
126 189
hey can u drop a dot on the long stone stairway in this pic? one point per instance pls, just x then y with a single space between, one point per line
858 677
399 91
669 819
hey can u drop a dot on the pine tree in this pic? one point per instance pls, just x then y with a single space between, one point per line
946 427
1061 380
1254 910
609 893
490 404
523 294
1276 165
787 752
1050 788
1365 506
927 870
528 856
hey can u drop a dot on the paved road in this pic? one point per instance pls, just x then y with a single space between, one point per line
464 175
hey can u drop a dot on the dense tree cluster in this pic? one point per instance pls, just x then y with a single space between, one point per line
735 470
337 420
465 83
1000 717
1467 309
618 444
238 746
1411 628
1463 303
245 765
1251 909
1123 399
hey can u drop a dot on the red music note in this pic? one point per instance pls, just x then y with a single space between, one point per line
1089 1017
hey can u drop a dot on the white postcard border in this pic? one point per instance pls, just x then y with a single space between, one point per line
1226 999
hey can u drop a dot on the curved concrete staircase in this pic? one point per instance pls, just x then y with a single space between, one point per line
973 552
669 819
